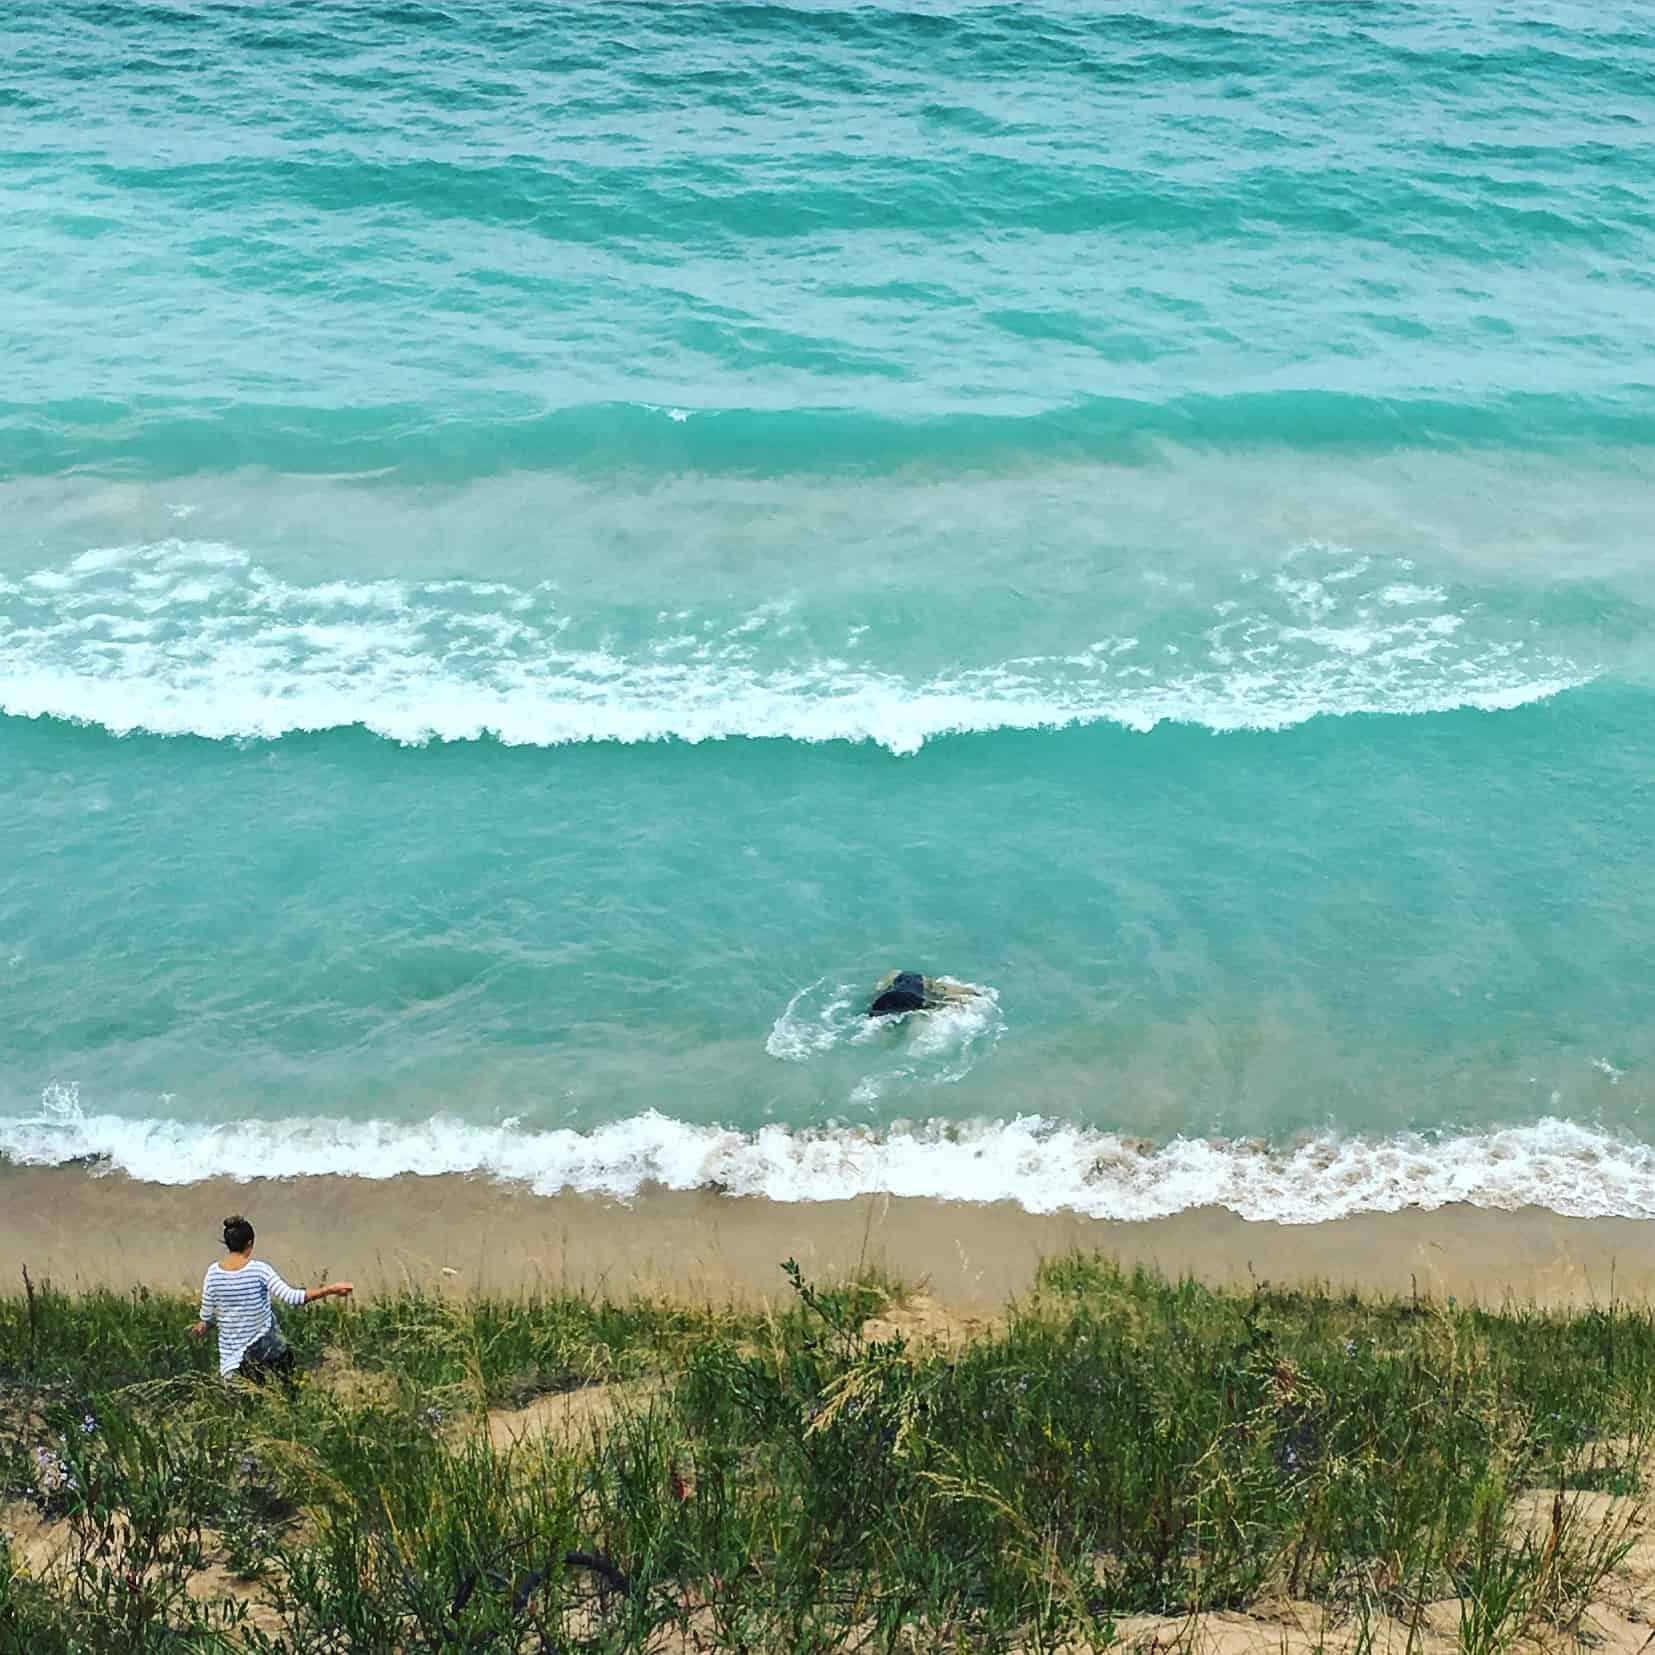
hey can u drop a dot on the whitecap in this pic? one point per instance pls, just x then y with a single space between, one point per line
1043 1166
239 653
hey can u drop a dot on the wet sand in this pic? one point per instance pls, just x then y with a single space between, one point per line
81 1229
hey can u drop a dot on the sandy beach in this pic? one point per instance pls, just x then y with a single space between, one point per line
80 1229
468 1236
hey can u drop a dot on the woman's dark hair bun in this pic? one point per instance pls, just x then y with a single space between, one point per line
238 1233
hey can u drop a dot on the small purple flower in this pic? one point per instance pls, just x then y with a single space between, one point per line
53 1472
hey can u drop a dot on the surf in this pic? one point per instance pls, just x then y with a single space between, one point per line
1042 1165
194 638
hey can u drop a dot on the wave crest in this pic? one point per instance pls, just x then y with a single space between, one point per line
419 443
195 638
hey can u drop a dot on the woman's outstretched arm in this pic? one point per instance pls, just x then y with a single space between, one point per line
283 1294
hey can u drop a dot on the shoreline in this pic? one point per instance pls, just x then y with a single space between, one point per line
461 1233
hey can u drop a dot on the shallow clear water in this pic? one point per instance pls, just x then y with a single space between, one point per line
545 548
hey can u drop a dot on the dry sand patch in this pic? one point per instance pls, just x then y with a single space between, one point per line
37 1542
567 1418
45 1545
927 1325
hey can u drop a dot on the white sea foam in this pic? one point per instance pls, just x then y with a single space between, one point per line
194 638
1042 1166
800 1033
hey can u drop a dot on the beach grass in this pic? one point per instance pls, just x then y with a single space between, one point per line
1115 1446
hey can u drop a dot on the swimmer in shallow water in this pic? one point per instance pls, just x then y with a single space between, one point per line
900 991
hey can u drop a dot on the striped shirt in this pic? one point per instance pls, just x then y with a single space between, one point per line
239 1302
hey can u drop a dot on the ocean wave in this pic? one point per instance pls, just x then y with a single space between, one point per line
1041 1165
419 444
184 637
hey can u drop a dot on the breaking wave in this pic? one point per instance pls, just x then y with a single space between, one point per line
1041 1165
194 638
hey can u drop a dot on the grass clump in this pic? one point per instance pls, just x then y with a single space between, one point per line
1118 1445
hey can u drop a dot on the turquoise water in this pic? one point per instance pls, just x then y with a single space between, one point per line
544 548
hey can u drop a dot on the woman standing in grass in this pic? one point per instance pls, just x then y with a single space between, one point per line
237 1295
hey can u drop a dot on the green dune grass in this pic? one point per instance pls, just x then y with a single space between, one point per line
1115 1445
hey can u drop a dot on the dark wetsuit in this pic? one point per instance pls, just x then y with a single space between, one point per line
904 992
